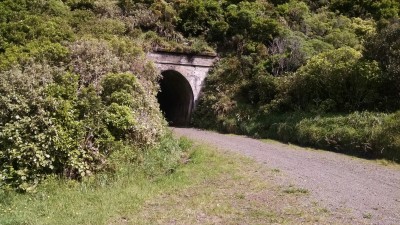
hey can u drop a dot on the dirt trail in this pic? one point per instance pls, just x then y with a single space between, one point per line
361 188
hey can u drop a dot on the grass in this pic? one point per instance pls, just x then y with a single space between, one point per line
276 170
295 190
212 187
388 163
367 216
370 135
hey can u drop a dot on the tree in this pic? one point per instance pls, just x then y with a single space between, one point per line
384 47
378 9
243 23
196 17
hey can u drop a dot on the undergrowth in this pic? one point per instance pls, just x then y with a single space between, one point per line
363 134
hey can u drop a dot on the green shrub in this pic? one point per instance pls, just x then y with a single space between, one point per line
387 139
36 140
197 16
384 47
34 27
129 114
49 124
80 4
107 8
335 81
53 53
102 28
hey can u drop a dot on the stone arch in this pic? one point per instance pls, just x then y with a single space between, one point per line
176 98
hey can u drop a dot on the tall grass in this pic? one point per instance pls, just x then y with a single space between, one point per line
366 134
363 134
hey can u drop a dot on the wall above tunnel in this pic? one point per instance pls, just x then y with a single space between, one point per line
193 67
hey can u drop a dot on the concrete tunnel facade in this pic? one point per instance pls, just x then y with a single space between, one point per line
181 83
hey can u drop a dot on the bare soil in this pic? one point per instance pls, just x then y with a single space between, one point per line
353 189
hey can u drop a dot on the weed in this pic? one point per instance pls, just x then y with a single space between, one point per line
240 196
367 216
295 190
276 170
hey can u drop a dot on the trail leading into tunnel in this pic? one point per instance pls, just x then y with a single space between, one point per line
360 187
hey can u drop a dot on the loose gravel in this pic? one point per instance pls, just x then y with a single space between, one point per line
363 189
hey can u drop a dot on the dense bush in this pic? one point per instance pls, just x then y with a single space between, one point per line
196 17
313 61
335 81
49 124
76 86
377 9
384 48
373 135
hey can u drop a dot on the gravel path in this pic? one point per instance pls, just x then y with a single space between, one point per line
361 188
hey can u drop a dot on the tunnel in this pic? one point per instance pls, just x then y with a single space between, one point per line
175 98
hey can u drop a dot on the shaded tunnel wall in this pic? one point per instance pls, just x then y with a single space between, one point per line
175 98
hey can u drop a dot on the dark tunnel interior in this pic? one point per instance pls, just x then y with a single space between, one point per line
175 98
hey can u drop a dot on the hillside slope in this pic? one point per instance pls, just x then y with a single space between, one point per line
76 86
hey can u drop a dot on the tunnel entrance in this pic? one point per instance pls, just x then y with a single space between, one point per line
175 98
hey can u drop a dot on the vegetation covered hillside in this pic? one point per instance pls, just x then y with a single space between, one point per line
77 90
77 94
317 73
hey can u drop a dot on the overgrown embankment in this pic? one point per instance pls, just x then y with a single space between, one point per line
326 75
76 87
366 134
314 107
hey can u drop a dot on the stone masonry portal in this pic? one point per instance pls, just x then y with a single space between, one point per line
181 83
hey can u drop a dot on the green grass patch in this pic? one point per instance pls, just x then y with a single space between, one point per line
206 187
111 198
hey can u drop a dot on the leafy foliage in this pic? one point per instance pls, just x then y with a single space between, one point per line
50 126
377 9
197 16
71 94
314 58
335 81
384 47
